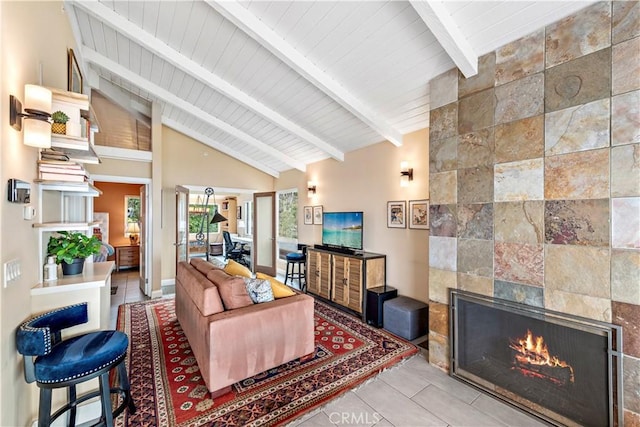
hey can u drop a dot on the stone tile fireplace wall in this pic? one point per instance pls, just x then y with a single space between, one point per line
535 179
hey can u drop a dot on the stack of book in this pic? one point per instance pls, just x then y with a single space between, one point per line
61 170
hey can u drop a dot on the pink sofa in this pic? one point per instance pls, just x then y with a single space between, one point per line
235 344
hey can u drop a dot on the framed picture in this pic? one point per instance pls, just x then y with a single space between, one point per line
239 212
419 214
317 214
74 76
308 215
396 215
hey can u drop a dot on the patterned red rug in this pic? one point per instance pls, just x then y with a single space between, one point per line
168 390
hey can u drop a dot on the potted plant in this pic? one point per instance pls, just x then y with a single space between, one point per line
71 249
60 120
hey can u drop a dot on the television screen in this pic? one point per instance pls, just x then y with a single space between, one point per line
342 229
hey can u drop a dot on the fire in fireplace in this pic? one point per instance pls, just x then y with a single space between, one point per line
558 367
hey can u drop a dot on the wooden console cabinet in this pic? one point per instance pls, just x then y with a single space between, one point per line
127 256
344 279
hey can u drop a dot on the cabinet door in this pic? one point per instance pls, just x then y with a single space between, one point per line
347 282
318 277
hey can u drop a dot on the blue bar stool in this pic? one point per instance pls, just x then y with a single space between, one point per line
297 261
55 363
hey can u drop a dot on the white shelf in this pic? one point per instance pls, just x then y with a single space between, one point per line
77 188
64 225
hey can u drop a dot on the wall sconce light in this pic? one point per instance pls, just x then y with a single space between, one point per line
37 115
311 188
406 174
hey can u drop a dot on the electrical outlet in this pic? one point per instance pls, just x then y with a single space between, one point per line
12 271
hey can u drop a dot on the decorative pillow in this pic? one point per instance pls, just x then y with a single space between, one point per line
234 293
259 290
279 289
236 269
217 263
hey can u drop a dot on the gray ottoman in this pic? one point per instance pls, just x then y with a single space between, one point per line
406 317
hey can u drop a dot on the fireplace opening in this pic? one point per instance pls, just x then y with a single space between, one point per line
558 367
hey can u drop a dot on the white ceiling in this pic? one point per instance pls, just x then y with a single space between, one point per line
281 84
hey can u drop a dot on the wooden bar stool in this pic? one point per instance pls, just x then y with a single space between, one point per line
297 261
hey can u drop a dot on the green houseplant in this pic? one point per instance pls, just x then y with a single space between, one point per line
60 120
71 248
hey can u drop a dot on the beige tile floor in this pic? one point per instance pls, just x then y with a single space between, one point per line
413 394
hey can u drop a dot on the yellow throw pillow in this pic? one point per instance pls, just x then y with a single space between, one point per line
280 290
234 268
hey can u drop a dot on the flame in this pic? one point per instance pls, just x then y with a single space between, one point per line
532 350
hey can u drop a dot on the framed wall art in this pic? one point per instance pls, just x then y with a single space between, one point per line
74 76
396 214
419 214
317 214
308 215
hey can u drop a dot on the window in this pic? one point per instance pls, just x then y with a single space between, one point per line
131 212
197 216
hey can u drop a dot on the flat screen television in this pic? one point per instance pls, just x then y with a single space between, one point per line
342 229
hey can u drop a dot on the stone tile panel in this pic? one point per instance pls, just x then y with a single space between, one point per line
443 122
628 316
577 222
585 31
439 350
476 111
475 221
478 284
475 185
578 81
520 58
520 99
626 21
522 180
443 154
631 419
579 128
625 170
581 175
625 223
476 149
442 253
578 305
625 118
443 187
442 220
631 383
625 276
519 140
443 89
439 318
481 81
625 74
578 270
521 222
519 263
475 257
440 281
523 294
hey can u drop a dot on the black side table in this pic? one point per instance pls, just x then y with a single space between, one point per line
375 298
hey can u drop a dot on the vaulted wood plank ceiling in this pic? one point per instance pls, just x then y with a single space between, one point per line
281 84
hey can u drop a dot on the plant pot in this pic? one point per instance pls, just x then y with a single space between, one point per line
74 268
59 128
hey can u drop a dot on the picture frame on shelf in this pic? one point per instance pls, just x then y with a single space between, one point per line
308 215
317 214
396 214
74 76
419 214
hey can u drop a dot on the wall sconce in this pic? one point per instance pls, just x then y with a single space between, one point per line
37 115
406 174
311 188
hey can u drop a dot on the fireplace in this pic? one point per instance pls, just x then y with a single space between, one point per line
561 368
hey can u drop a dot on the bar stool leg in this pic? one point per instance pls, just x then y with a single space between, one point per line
72 398
105 392
44 411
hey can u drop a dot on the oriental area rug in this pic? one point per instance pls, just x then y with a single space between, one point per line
168 390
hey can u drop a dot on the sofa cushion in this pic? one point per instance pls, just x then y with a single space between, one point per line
203 292
279 289
259 289
236 269
231 288
201 265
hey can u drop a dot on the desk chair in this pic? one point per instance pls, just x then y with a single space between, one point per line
297 260
53 363
234 250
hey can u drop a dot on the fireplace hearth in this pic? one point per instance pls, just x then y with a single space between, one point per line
560 368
